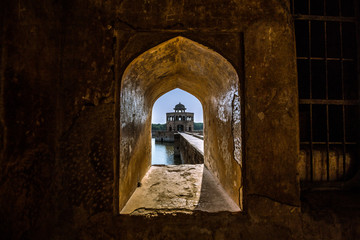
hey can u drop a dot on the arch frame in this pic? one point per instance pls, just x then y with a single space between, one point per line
227 117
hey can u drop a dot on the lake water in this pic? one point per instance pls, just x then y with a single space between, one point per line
163 153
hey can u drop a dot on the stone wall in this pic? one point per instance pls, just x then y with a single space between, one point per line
189 153
163 136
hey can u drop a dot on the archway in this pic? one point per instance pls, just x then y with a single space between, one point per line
180 128
165 125
185 64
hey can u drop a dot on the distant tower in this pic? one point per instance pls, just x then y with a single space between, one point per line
179 120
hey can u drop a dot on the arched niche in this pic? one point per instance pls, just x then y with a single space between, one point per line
192 67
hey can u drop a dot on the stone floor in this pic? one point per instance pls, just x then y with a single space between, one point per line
179 188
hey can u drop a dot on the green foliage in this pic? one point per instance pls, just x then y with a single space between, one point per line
158 127
198 126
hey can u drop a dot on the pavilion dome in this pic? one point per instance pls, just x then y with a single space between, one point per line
179 107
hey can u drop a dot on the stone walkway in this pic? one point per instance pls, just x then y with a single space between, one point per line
196 142
178 188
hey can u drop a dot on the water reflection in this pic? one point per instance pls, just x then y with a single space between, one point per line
163 153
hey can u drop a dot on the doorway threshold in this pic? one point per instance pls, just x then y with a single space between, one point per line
171 189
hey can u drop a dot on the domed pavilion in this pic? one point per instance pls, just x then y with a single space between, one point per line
180 120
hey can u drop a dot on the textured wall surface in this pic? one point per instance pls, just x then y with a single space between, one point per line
61 80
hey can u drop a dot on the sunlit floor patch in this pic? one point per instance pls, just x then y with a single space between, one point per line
178 188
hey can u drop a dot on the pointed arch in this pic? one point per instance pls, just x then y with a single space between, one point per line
192 67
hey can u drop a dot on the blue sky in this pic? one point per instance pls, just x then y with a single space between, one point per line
167 102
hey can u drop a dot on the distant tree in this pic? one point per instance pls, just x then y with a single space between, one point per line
158 127
198 126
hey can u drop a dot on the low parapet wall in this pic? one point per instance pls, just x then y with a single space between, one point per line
163 136
190 148
197 135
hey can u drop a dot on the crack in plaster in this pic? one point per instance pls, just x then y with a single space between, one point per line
126 24
272 199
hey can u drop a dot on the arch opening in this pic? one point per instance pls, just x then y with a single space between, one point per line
166 149
192 67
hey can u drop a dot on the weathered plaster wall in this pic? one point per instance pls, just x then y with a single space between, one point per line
57 107
29 70
269 58
86 115
60 63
